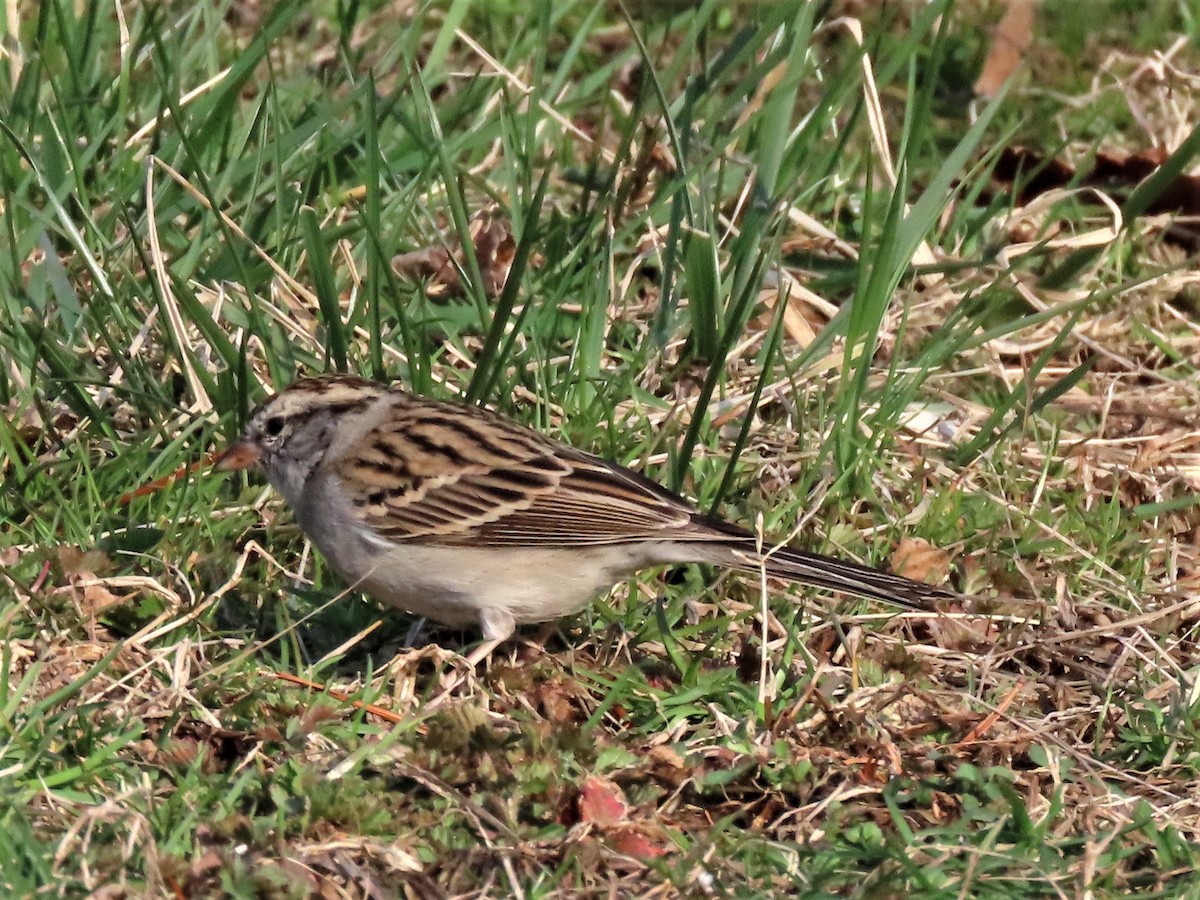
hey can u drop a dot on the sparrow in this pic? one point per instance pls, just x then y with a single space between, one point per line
463 516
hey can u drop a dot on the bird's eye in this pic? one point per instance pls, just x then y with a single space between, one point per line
273 427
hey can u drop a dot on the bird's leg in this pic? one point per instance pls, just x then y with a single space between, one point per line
416 632
498 626
482 652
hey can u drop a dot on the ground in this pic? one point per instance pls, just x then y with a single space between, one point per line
910 283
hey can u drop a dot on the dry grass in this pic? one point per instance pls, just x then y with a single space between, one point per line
1044 737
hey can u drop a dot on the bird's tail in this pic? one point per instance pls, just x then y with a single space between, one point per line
723 543
837 575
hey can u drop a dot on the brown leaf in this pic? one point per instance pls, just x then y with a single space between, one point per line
666 764
631 841
919 560
969 635
97 597
74 561
439 265
1114 171
795 323
554 699
1009 43
180 752
601 802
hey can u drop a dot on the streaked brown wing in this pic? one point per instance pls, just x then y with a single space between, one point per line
448 475
596 502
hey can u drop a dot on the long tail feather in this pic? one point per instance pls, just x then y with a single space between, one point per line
739 550
848 577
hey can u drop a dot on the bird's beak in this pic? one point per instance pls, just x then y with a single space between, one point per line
238 455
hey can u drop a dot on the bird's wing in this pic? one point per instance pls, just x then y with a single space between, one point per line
450 475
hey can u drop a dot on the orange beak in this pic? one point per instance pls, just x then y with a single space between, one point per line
238 455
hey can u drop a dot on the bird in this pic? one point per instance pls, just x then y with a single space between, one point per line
460 515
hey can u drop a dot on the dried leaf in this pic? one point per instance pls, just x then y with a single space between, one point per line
665 764
97 597
554 698
919 560
968 635
74 561
1115 172
631 841
439 265
1009 43
795 323
601 802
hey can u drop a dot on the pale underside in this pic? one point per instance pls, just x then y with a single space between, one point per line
548 528
460 515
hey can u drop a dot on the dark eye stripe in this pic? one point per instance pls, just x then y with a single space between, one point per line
346 406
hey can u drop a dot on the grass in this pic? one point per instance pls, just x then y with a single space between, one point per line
705 240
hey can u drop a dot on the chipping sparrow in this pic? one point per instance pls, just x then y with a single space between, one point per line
457 514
